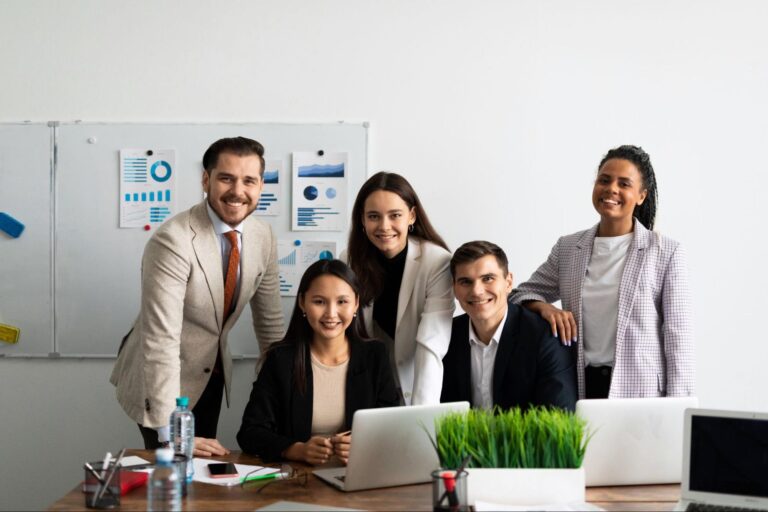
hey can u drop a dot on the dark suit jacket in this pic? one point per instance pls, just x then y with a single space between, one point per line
277 415
531 366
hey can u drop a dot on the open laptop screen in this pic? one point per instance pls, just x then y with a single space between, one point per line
729 456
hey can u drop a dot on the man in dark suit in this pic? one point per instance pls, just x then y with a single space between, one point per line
501 354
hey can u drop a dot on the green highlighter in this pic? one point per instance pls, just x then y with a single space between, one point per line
271 476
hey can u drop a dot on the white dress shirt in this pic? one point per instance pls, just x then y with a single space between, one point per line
601 298
483 358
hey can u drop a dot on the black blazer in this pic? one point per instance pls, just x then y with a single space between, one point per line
531 366
277 415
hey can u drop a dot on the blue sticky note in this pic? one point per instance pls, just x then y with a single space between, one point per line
10 225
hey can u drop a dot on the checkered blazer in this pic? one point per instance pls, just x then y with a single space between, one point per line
654 340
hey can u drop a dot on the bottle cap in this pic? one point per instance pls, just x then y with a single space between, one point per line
183 401
164 454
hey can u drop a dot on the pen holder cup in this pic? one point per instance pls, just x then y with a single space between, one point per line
449 491
96 496
180 461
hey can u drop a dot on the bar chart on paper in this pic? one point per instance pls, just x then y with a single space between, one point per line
319 191
146 186
270 203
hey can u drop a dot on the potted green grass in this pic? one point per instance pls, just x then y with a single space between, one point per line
526 458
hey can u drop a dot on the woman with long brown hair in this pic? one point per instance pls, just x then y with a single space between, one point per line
406 288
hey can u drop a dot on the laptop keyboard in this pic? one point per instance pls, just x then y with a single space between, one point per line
703 507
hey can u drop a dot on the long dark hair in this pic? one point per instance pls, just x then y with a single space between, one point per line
362 253
299 334
646 212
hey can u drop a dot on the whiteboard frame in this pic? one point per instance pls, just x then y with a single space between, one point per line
56 351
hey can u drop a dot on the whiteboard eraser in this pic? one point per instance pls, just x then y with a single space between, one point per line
9 333
10 225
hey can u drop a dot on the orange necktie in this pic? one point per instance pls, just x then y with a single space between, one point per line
230 281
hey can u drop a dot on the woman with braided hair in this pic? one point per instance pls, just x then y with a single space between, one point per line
624 290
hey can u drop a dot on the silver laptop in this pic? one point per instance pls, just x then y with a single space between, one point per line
725 462
635 440
390 447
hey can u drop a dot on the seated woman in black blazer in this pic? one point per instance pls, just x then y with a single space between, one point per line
314 380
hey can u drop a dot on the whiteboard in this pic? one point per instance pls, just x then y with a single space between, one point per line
96 292
25 262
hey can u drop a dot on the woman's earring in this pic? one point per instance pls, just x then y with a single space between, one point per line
410 228
304 315
354 316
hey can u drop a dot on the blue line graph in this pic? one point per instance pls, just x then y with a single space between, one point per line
321 171
288 260
271 177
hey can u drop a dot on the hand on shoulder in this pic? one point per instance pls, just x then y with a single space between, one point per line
563 323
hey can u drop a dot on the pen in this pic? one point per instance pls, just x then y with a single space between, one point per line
105 464
270 476
94 473
107 480
341 434
97 477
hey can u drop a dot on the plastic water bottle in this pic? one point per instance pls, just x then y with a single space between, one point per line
164 491
183 433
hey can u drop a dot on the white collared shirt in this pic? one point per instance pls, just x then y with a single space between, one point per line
221 227
483 358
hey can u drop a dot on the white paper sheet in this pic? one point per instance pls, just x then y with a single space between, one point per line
297 506
147 186
133 460
481 506
201 472
319 196
295 256
270 201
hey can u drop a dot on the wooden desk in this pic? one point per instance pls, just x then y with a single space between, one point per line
410 497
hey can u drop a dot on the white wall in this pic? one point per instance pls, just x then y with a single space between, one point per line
498 113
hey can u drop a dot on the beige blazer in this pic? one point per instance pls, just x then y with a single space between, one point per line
425 308
172 347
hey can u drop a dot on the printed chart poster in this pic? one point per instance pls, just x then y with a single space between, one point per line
270 202
147 186
319 191
295 256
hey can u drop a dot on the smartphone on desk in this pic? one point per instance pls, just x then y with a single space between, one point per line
222 470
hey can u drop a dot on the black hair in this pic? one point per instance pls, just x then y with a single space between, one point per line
362 253
299 334
240 146
473 251
646 212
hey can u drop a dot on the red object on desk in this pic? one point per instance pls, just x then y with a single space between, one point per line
129 480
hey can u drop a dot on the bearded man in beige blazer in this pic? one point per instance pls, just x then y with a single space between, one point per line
178 344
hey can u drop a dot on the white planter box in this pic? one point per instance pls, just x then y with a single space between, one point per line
526 486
